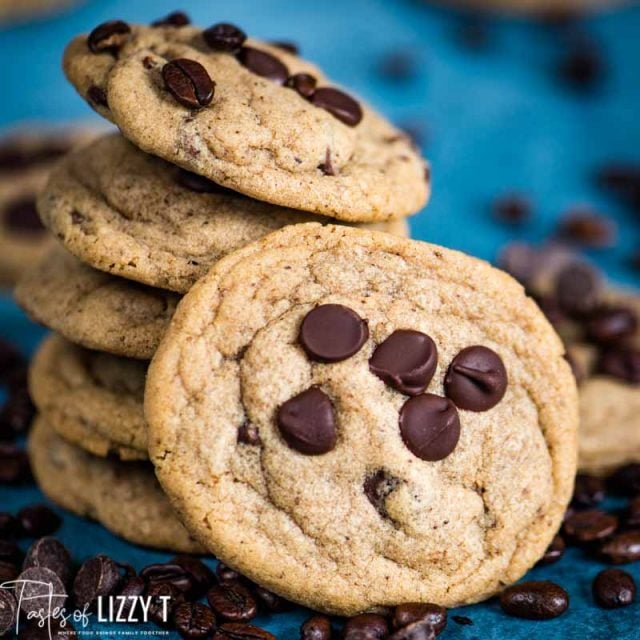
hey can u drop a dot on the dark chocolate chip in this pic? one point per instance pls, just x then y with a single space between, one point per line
476 379
50 553
512 209
41 591
241 631
430 426
406 361
263 64
316 628
54 629
554 551
188 82
224 37
588 491
378 487
174 19
589 526
578 288
622 180
194 621
621 548
588 229
632 514
200 184
433 614
11 362
332 332
109 36
164 597
8 611
622 363
611 324
338 104
534 600
248 434
327 166
97 577
371 626
307 422
303 83
614 588
38 520
22 216
98 96
233 601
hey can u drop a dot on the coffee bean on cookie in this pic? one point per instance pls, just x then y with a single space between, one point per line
476 379
303 83
614 588
534 600
332 332
109 36
338 104
307 422
224 37
430 426
406 361
188 82
263 64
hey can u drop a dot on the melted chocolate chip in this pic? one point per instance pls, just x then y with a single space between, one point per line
430 426
303 83
224 37
22 216
476 379
109 36
338 104
332 332
200 184
406 361
98 96
307 422
188 82
377 487
248 434
263 64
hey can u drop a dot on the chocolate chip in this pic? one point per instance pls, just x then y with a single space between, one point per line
286 45
622 363
316 628
366 625
97 577
188 82
614 588
52 554
476 379
8 611
263 64
224 37
41 591
621 548
433 614
14 465
201 577
589 526
512 209
168 572
38 520
164 597
199 184
554 551
534 600
22 216
338 104
332 332
327 166
241 631
109 36
611 324
98 96
377 487
11 361
248 434
233 601
588 229
194 620
307 422
174 19
406 361
588 491
578 288
303 83
430 426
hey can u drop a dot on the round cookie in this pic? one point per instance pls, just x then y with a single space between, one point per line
136 216
92 399
123 496
289 426
254 135
95 309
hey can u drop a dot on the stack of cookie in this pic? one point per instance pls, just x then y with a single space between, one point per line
264 141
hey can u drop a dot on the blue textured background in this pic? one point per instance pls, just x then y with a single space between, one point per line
494 121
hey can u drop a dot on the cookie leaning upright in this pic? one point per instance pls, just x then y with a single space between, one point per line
352 420
249 116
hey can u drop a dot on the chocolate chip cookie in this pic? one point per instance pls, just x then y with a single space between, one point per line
136 216
352 419
95 309
249 116
123 496
92 399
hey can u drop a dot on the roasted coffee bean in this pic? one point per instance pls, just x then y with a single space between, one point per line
590 526
171 572
338 104
621 548
248 434
378 487
38 520
224 37
429 426
109 36
188 82
611 325
50 553
164 597
303 83
233 601
9 526
8 611
97 96
512 209
578 288
201 577
554 551
433 614
332 333
614 588
269 601
263 64
622 363
18 412
625 481
316 628
174 19
588 229
194 620
534 600
420 630
97 577
406 361
367 625
14 465
42 591
588 491
226 574
241 631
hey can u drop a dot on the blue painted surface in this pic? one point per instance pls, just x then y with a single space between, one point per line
495 120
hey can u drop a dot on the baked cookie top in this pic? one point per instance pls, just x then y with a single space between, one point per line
95 309
352 419
136 216
249 116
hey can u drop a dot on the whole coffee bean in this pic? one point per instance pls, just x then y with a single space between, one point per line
316 628
269 601
109 36
622 363
227 574
224 37
420 630
589 526
338 104
171 572
8 571
626 480
554 551
41 591
613 588
38 520
303 83
10 526
233 602
588 491
8 611
433 614
188 82
201 577
367 625
194 620
97 577
621 548
611 325
164 597
52 554
10 552
174 19
14 465
534 600
17 413
241 631
263 64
